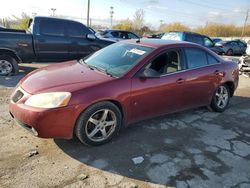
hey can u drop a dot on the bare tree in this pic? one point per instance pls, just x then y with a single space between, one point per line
139 19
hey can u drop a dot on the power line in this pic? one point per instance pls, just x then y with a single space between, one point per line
208 6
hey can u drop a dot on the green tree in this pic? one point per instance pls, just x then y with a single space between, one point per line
124 25
22 22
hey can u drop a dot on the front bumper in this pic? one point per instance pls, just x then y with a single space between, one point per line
45 123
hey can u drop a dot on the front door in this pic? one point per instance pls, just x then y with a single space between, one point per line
162 94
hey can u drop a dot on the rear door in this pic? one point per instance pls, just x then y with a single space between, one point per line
80 46
236 47
203 75
50 42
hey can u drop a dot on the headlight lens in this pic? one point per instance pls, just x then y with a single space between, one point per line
49 100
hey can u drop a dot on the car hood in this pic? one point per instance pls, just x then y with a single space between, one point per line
69 76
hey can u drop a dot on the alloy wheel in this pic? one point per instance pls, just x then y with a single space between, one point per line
5 67
101 125
222 97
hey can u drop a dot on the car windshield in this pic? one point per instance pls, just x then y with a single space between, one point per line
117 59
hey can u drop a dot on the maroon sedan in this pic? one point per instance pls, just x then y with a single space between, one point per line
121 84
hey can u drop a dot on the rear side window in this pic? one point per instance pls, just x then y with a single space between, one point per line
52 27
77 30
194 38
195 58
211 60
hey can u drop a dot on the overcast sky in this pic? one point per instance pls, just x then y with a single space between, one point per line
190 12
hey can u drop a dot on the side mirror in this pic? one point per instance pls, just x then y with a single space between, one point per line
149 73
91 37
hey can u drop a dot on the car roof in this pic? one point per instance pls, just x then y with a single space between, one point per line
110 30
55 18
188 32
156 43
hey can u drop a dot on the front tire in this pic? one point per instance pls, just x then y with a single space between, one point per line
8 65
220 98
98 124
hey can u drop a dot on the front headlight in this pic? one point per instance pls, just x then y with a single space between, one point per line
49 100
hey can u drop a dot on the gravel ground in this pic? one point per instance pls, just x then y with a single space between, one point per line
194 148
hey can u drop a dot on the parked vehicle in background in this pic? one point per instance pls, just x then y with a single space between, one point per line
48 39
233 47
156 36
123 83
215 40
202 40
244 64
118 35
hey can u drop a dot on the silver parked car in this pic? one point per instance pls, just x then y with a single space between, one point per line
233 47
117 35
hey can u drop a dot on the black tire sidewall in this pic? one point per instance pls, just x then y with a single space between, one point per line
15 67
84 116
230 52
214 105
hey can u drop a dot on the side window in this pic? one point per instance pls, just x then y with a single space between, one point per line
167 62
195 58
132 36
241 44
52 27
211 60
208 42
123 35
194 38
77 30
115 34
233 43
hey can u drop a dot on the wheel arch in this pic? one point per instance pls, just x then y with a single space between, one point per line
115 102
231 87
11 53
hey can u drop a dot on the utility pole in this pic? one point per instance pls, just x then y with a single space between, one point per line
88 13
243 29
53 11
111 16
34 14
161 22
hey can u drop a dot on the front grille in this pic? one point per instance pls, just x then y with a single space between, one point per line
17 96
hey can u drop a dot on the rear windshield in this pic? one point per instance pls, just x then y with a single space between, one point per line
172 36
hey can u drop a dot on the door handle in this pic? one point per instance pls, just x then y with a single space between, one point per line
217 72
180 81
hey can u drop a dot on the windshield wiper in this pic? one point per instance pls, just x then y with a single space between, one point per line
101 70
92 67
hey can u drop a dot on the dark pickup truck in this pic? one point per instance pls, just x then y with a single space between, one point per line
47 40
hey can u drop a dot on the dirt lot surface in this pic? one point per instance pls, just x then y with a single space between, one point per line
195 148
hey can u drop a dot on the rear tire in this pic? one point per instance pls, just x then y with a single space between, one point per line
98 124
8 65
220 98
230 52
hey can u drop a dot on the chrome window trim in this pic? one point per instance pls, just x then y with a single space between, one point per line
189 69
